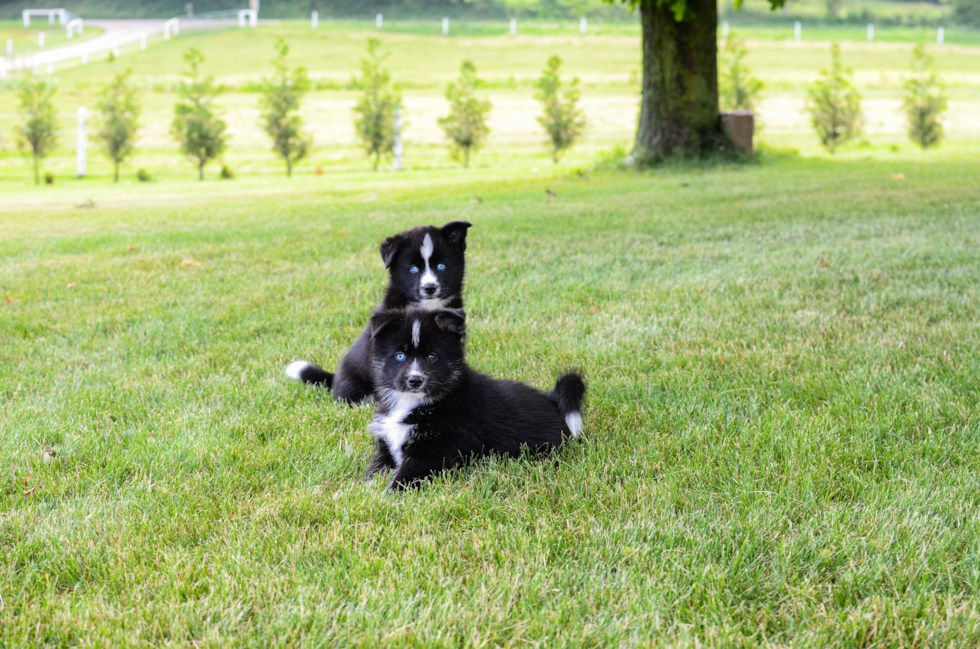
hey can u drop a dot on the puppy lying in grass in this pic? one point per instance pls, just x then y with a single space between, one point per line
434 412
425 269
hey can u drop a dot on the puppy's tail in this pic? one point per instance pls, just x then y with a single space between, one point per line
568 394
309 373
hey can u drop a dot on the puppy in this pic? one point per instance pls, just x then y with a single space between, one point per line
434 412
425 268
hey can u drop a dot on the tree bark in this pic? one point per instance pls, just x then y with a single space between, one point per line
679 107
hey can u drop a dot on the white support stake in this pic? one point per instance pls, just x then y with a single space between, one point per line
379 21
583 26
724 30
81 143
871 32
513 26
40 40
315 19
142 41
445 27
798 31
940 35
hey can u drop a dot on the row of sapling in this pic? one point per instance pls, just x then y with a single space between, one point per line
834 102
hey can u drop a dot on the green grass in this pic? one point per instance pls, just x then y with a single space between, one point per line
608 65
781 424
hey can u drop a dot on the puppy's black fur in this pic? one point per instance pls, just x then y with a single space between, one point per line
434 412
425 270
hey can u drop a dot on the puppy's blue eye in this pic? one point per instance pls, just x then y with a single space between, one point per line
413 269
433 358
441 267
400 356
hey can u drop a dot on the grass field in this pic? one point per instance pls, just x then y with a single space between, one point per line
26 42
781 426
607 61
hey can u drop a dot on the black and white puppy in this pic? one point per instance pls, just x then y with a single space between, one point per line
425 270
434 412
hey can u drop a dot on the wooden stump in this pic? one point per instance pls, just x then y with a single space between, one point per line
739 126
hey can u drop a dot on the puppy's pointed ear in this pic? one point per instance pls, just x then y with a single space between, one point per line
451 321
384 319
390 248
455 233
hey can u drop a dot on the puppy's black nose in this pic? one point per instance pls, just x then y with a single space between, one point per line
415 382
428 289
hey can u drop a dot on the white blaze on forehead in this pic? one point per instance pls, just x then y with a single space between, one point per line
416 333
428 278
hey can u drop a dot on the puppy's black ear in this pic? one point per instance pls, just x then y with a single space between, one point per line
384 319
390 247
451 321
455 233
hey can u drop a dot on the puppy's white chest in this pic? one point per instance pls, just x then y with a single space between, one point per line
391 427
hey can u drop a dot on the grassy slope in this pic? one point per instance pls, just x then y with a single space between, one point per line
781 423
607 64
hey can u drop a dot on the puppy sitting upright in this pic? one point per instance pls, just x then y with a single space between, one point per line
434 412
425 267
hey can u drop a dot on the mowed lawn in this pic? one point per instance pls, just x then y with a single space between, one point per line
781 427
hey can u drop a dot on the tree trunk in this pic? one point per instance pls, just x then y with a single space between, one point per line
200 171
116 174
289 167
37 172
679 108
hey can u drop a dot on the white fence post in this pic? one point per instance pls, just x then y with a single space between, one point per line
176 27
583 26
315 18
798 31
62 17
40 40
724 30
142 41
940 35
871 32
445 27
51 17
27 19
513 26
379 21
81 143
397 148
253 19
10 47
241 18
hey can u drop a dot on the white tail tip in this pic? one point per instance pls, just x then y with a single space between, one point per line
295 369
574 421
